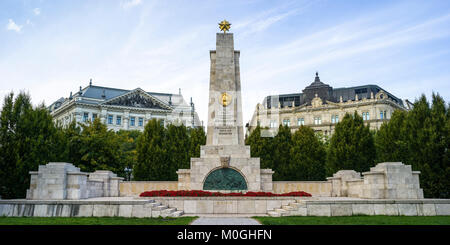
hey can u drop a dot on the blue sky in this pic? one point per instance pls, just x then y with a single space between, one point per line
50 48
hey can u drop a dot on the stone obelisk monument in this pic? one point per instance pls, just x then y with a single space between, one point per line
225 126
225 163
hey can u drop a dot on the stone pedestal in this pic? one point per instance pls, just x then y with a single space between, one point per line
388 180
60 181
392 180
50 181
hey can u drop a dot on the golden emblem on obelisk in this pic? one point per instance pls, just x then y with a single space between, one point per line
225 99
224 26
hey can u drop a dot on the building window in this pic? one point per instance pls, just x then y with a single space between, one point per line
85 117
161 122
366 116
273 124
300 121
110 119
119 120
132 121
141 122
317 120
94 116
383 115
287 122
334 119
258 123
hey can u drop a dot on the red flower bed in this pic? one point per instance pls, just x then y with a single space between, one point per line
198 193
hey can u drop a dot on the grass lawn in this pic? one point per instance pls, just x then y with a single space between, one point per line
356 220
94 221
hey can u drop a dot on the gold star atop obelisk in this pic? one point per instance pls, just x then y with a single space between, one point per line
224 26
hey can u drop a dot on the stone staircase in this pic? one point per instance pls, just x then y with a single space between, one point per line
297 208
162 210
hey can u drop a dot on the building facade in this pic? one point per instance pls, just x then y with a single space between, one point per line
123 109
321 107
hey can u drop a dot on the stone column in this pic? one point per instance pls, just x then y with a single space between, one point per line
110 182
339 180
266 180
103 115
184 179
77 185
114 187
126 118
33 184
374 185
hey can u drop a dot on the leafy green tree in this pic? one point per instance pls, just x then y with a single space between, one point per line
128 145
351 146
69 139
99 149
308 155
28 138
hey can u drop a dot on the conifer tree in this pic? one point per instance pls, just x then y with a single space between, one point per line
427 139
391 139
281 145
351 146
308 155
177 147
151 153
197 138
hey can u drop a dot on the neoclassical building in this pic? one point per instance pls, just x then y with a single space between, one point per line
123 109
321 107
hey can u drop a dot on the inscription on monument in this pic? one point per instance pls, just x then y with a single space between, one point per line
225 131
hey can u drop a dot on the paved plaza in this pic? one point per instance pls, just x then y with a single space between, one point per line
225 221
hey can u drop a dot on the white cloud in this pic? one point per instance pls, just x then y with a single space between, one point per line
130 3
13 26
37 11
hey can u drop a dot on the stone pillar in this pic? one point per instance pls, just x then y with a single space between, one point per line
103 115
33 184
115 186
339 187
184 179
126 119
266 180
77 185
78 116
110 182
374 185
